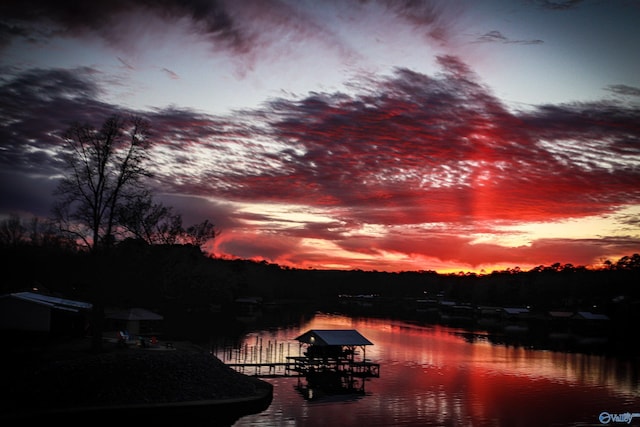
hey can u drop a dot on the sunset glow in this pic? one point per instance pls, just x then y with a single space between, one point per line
380 135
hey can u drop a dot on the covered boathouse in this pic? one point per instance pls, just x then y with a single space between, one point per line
334 360
334 343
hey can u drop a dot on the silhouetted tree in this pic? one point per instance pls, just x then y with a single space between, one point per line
105 168
201 233
12 232
629 262
152 222
158 224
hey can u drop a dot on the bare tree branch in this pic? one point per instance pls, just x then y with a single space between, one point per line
105 167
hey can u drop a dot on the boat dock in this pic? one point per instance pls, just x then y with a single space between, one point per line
319 352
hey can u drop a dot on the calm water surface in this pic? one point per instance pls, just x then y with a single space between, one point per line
437 376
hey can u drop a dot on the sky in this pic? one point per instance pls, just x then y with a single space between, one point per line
377 135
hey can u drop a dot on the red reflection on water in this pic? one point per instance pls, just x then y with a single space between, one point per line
434 376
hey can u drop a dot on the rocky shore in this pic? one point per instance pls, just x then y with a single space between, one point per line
74 382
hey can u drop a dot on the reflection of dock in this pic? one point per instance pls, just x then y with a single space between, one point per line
343 367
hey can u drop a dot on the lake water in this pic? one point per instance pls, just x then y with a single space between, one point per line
439 376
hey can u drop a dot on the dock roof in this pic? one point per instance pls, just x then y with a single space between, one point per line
341 337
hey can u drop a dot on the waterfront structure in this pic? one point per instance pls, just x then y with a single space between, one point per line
335 349
331 360
40 313
334 362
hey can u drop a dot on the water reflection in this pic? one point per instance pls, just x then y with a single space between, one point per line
442 376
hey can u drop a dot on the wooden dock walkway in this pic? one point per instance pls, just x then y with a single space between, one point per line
298 366
274 369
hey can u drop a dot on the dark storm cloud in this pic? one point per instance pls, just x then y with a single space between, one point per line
558 4
436 18
171 74
26 194
497 37
125 64
9 32
101 17
36 106
624 90
244 28
606 134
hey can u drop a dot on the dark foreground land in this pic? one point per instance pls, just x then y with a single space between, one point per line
69 382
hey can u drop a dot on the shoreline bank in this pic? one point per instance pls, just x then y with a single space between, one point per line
69 382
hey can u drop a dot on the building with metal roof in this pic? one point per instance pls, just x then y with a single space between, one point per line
51 301
30 311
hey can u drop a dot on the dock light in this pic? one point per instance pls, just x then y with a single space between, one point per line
312 339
